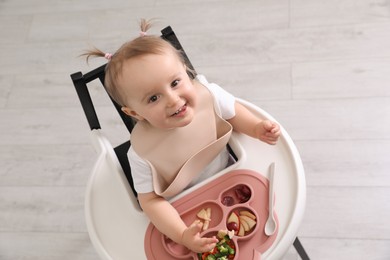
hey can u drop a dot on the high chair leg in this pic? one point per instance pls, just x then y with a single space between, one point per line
301 251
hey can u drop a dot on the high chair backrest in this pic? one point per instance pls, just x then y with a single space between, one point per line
80 82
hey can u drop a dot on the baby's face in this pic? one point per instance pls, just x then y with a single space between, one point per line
158 90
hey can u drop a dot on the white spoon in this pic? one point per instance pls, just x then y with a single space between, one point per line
270 225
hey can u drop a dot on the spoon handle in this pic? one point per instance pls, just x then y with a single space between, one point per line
271 189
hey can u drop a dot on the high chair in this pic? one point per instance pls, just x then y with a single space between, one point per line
116 224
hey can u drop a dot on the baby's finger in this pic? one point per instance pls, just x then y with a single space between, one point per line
275 129
196 227
209 240
272 135
268 125
272 140
208 243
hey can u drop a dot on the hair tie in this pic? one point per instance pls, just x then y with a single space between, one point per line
142 34
108 56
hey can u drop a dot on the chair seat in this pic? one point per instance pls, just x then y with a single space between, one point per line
117 225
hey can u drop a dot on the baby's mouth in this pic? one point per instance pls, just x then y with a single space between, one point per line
179 110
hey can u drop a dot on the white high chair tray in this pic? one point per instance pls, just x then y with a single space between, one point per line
117 226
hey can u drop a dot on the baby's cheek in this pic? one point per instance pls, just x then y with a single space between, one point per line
192 96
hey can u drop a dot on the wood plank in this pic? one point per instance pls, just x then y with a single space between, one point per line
263 81
333 119
347 212
340 248
341 79
15 27
335 12
17 7
290 45
5 90
46 165
43 126
46 246
42 209
346 162
62 125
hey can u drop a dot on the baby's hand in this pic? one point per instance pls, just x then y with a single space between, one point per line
192 240
268 131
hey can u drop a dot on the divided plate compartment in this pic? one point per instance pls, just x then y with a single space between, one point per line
237 192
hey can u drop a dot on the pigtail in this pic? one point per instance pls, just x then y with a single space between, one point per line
145 25
95 52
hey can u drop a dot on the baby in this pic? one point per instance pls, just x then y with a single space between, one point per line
183 126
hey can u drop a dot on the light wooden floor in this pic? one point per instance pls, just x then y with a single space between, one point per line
321 68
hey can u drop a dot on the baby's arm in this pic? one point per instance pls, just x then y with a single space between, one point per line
247 123
167 220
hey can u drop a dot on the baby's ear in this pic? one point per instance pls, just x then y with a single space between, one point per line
131 113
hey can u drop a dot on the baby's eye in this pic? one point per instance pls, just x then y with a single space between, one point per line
153 99
175 83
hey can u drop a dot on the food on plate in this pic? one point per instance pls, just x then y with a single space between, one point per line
247 221
233 226
240 194
233 217
242 222
205 215
241 231
243 193
224 232
223 250
247 213
233 222
228 201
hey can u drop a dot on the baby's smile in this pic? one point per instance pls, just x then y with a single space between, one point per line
180 111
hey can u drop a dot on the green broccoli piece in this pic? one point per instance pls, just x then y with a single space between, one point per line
230 250
222 258
223 249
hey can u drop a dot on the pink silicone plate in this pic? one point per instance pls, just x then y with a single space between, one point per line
213 195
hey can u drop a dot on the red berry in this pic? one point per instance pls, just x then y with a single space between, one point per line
227 201
232 226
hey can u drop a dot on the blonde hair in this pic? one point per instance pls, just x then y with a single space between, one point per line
142 45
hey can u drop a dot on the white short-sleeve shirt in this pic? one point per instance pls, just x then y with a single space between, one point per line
140 169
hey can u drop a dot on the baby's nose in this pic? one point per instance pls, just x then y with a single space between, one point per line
173 98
